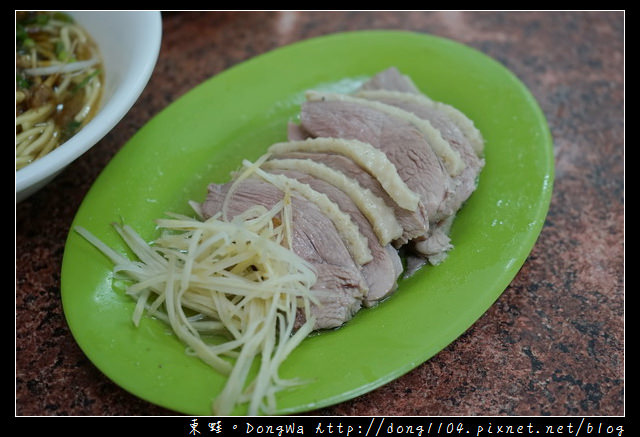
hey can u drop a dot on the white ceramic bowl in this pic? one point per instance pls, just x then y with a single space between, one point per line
129 42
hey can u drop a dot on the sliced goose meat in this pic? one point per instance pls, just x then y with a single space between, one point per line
449 157
295 132
384 269
373 160
406 100
381 216
355 242
451 132
340 285
400 140
382 169
394 82
391 79
390 87
413 223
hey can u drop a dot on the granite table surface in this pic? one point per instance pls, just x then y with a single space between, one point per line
552 344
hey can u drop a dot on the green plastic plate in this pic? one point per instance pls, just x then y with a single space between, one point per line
237 114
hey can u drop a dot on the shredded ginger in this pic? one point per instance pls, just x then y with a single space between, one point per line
237 279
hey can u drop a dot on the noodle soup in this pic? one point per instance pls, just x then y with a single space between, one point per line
59 82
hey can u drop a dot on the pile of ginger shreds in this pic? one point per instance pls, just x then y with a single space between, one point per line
233 280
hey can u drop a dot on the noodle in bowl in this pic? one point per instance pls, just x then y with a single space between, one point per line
58 82
103 82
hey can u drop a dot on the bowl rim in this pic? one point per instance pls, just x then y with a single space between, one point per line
109 115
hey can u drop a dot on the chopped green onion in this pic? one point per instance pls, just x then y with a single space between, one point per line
28 43
37 18
70 129
65 56
61 52
85 81
42 19
21 32
22 82
61 16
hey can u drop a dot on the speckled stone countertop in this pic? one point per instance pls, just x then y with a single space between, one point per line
553 343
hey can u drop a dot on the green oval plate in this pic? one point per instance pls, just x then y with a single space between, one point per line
237 114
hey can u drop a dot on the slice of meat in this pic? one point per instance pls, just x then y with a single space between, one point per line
466 180
340 285
401 141
391 79
354 241
413 223
443 150
295 132
462 122
385 267
366 156
381 216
